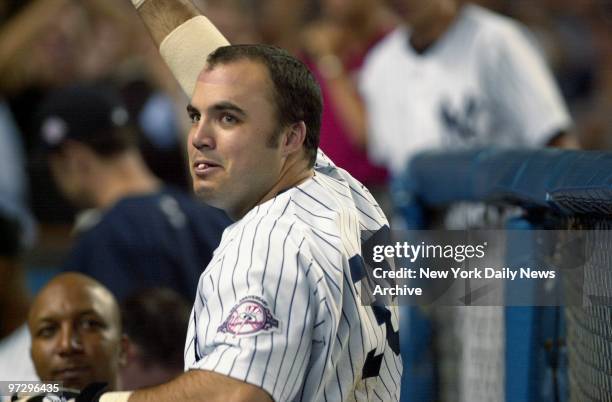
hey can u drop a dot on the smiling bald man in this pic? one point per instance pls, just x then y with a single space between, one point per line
76 332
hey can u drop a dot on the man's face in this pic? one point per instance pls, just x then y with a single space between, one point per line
76 336
414 12
233 164
68 178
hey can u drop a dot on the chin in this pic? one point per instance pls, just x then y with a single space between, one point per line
76 384
208 196
202 192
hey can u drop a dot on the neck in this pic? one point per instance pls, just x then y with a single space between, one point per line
428 30
125 175
294 172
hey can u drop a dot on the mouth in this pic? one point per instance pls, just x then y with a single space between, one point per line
71 372
204 167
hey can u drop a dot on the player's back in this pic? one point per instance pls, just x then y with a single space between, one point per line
279 306
364 362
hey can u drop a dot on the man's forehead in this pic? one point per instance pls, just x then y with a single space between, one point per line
236 73
244 83
59 303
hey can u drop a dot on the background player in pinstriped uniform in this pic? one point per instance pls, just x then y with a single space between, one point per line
458 76
277 315
455 76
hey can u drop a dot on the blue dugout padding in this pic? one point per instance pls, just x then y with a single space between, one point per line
534 355
419 376
560 182
563 181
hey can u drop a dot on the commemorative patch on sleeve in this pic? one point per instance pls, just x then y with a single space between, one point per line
250 316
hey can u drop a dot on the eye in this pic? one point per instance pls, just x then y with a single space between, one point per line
91 324
228 119
194 117
46 331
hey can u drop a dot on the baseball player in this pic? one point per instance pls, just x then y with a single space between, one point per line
278 314
455 77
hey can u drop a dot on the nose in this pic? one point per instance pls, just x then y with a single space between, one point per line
202 135
69 340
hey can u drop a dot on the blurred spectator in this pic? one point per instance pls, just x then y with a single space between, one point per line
232 17
279 22
13 181
335 46
76 333
140 233
15 362
12 175
52 43
458 77
16 235
155 321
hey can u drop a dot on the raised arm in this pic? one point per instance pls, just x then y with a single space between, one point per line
162 17
184 37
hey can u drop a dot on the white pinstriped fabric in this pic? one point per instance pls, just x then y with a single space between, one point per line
277 306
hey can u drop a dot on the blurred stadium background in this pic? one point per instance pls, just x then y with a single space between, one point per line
46 44
49 44
533 351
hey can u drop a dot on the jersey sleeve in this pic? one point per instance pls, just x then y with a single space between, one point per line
255 310
521 87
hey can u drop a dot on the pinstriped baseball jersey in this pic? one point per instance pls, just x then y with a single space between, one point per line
482 83
279 304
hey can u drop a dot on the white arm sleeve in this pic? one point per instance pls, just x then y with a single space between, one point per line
254 321
186 49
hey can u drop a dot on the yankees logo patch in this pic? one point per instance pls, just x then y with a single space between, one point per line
251 316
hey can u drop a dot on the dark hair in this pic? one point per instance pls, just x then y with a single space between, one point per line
92 114
156 319
111 142
296 92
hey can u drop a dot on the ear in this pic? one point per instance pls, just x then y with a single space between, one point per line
79 156
294 138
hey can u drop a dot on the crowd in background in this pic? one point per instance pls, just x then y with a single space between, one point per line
49 44
46 45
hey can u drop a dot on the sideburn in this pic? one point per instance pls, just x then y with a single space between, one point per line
274 138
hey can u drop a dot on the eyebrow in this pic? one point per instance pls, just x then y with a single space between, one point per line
53 318
44 320
192 110
218 107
